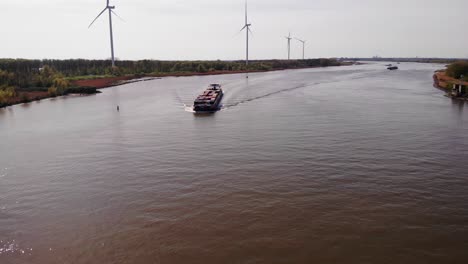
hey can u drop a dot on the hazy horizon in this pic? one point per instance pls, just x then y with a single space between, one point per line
209 30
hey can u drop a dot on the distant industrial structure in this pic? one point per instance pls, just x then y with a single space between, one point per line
459 89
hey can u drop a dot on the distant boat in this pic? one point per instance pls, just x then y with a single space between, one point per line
210 100
392 68
389 65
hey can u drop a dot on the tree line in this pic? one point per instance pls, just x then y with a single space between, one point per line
56 76
458 70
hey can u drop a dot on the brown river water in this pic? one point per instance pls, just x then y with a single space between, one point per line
333 165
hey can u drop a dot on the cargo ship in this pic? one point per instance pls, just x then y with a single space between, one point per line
210 100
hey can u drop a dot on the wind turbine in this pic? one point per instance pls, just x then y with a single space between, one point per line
303 47
111 11
247 31
289 45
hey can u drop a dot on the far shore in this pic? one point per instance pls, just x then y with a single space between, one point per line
107 82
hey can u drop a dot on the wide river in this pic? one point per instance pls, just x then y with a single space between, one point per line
352 164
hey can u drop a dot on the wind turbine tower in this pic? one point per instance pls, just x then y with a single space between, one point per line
108 8
247 31
303 47
289 45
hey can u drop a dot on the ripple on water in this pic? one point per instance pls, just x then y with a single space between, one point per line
3 173
350 170
12 247
188 108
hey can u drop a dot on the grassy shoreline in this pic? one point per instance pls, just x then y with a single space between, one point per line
91 83
111 81
455 73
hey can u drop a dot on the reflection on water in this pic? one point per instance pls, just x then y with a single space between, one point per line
12 248
331 165
25 105
458 105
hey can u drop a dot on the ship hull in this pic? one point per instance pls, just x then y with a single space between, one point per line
209 101
211 109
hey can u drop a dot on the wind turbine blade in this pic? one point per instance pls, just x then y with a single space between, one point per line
243 28
246 12
235 35
97 17
250 31
117 15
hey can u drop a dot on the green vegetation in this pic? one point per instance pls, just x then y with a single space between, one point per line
6 94
20 77
458 69
7 90
88 77
42 73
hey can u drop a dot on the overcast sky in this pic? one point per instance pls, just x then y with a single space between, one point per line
208 29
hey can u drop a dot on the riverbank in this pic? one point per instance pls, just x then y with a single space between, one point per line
106 82
441 80
23 80
445 83
87 86
27 96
